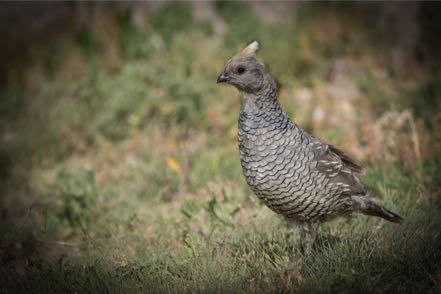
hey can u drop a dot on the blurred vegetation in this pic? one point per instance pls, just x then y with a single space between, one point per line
119 166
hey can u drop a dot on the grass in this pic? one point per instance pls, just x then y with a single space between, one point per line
120 169
227 242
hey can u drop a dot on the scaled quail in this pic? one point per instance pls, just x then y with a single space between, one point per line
292 172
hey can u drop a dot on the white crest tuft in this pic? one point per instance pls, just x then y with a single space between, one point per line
250 50
254 46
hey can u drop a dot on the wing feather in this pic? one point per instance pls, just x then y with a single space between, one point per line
338 167
346 160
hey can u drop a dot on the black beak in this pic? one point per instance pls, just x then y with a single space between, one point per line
222 78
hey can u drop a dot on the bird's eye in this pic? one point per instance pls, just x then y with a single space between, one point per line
240 70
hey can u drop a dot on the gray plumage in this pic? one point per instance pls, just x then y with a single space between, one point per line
291 171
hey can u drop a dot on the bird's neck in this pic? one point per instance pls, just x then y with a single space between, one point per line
265 100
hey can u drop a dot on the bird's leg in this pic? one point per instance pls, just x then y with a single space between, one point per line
311 230
298 235
305 233
298 228
299 231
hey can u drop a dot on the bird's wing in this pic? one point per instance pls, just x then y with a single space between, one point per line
346 160
338 166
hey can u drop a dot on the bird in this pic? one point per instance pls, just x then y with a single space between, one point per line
292 172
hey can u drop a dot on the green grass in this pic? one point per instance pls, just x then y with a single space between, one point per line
120 170
227 242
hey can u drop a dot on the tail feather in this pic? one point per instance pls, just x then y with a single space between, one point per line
369 206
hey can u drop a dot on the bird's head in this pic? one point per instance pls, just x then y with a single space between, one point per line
244 71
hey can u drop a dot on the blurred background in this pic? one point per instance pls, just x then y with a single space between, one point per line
117 145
